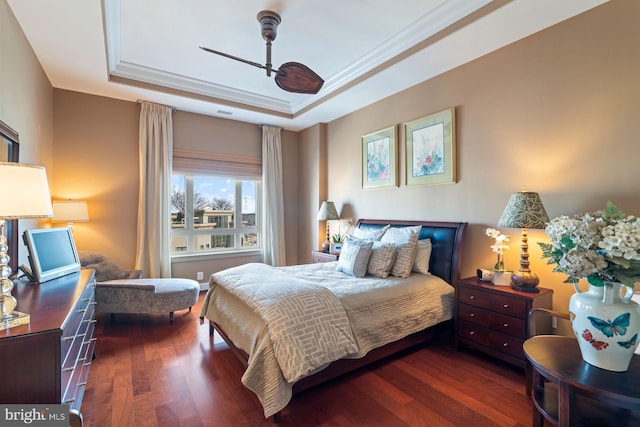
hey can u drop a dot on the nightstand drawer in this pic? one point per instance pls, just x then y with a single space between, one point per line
509 305
486 337
493 301
495 321
475 297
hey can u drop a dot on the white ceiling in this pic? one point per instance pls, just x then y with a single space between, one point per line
365 50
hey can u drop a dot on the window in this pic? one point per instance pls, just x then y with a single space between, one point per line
214 214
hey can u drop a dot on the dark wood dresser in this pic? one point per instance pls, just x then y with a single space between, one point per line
48 359
494 319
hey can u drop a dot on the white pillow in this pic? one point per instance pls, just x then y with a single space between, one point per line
383 255
370 234
354 256
406 239
423 255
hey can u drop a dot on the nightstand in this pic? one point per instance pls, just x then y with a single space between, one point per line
494 319
318 256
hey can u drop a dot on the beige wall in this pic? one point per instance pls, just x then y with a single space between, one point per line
96 157
26 103
557 112
96 154
313 188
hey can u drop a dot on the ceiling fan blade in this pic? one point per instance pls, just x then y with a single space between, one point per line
296 77
226 55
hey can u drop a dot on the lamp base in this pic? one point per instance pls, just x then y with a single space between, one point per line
525 281
525 289
14 319
326 245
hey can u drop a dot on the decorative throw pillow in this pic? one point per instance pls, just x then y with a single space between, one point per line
406 239
381 260
423 255
370 234
354 256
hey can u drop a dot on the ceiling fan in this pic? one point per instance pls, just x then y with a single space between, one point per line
291 76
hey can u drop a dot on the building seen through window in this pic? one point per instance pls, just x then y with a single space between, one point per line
204 210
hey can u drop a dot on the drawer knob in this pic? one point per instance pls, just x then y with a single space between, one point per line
472 314
505 345
472 332
472 297
506 325
505 305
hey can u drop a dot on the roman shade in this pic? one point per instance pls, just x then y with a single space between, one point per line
216 164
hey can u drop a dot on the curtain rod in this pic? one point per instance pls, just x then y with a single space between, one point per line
140 101
263 124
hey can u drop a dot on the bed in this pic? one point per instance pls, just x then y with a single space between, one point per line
270 315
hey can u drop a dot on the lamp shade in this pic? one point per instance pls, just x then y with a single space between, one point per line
327 212
70 211
25 191
524 210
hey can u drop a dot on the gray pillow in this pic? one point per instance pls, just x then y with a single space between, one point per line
423 256
354 256
370 234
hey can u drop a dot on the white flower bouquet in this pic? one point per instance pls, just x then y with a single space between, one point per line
601 247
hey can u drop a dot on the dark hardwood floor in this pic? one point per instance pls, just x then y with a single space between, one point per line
148 372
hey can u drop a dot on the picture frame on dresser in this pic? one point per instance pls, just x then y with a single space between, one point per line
430 149
9 152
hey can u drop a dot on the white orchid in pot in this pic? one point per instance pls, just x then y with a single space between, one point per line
602 247
501 276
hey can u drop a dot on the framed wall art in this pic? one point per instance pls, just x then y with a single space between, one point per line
431 149
380 159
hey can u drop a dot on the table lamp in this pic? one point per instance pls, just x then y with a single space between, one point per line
327 213
524 210
70 211
25 194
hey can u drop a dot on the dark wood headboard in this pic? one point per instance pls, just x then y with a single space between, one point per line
446 240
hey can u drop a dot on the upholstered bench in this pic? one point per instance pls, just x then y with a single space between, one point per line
146 295
120 290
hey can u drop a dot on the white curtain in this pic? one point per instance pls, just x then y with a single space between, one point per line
272 198
153 254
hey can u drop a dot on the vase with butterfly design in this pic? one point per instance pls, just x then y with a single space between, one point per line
606 323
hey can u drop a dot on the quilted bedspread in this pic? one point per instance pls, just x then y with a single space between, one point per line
307 323
245 300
